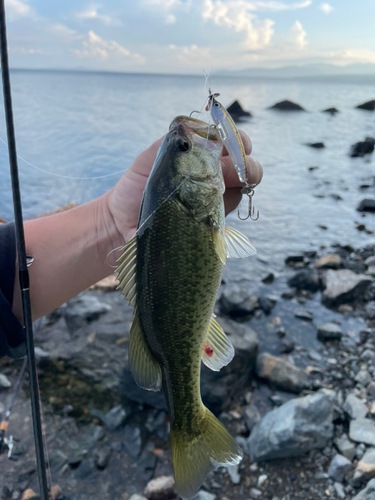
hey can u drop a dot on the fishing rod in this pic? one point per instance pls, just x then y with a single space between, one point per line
22 263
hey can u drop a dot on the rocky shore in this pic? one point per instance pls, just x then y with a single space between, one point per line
299 396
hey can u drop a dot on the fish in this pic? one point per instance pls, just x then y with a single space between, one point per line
170 272
229 135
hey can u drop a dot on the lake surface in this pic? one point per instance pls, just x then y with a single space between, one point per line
84 125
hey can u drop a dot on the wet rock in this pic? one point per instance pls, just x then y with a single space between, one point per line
345 447
268 278
287 106
368 105
370 310
328 261
133 440
6 493
363 378
360 451
115 417
204 495
354 407
255 493
339 489
83 309
137 497
102 457
4 382
342 286
332 111
365 469
236 301
237 112
281 332
316 145
251 416
362 148
366 205
303 314
266 305
368 493
371 389
368 355
57 459
294 258
305 280
161 488
147 465
339 467
286 346
362 430
329 331
282 373
235 477
85 469
300 425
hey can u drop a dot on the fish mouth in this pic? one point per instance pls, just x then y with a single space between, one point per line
192 126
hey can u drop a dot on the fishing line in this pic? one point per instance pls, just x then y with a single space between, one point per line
66 176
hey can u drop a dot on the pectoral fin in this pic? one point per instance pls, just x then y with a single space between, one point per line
237 244
217 348
126 271
219 242
145 369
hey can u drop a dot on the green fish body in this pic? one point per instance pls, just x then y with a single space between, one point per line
171 272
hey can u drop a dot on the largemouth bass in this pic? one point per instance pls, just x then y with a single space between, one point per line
171 272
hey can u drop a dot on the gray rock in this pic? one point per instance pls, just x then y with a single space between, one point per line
328 261
303 314
83 309
4 382
354 407
137 497
370 309
360 451
305 280
329 331
314 355
343 286
204 495
282 373
266 304
133 440
362 148
237 301
255 493
160 488
294 428
363 378
365 469
287 106
339 489
102 457
115 417
268 278
368 493
371 389
338 468
251 416
234 474
346 447
368 355
366 205
362 430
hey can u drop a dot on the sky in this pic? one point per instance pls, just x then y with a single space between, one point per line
186 36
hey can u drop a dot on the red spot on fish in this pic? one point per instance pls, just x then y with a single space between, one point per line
208 350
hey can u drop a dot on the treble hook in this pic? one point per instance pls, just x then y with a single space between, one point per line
249 191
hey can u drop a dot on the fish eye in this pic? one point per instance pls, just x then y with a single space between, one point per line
217 105
183 145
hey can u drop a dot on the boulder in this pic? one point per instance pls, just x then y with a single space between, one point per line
329 331
236 112
328 261
296 427
354 407
287 106
365 469
332 111
316 145
366 205
343 286
236 301
292 259
339 467
305 280
281 373
369 105
368 493
362 430
251 416
362 148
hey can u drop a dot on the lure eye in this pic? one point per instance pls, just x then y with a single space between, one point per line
217 105
183 145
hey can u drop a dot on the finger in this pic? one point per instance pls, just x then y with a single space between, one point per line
232 198
246 141
254 169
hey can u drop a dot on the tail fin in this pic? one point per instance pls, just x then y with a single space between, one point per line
194 456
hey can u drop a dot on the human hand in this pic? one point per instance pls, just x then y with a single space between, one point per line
131 186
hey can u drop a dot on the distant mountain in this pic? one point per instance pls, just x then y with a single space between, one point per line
305 71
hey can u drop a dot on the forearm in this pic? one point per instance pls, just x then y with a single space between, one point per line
70 250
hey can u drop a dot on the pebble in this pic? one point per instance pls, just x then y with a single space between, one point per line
28 494
4 382
286 347
115 417
102 457
314 355
137 497
254 493
261 480
251 416
339 489
281 332
360 451
303 314
204 495
328 261
354 407
234 474
362 430
346 447
342 286
363 378
329 331
133 440
365 469
160 488
281 372
338 468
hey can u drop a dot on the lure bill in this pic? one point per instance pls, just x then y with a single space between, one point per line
170 272
229 135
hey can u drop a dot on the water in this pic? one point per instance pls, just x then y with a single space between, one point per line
94 124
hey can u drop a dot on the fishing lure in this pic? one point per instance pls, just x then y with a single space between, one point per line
232 141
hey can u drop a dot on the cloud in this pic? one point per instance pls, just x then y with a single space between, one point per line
299 35
16 9
63 33
92 13
236 15
165 6
350 56
95 47
326 8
